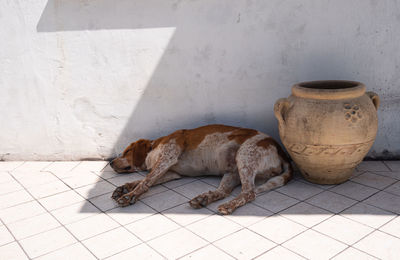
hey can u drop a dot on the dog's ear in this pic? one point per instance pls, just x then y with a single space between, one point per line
140 150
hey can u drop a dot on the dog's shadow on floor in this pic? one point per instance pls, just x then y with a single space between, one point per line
295 200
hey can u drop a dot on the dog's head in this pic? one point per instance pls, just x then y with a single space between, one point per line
133 159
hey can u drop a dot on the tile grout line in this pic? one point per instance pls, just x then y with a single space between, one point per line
387 166
62 225
159 212
15 240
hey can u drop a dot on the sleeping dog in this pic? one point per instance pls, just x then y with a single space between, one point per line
237 154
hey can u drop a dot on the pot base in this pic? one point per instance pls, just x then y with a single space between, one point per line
327 177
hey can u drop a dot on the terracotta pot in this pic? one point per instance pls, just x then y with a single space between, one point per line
328 127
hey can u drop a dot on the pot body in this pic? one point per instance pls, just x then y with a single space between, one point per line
328 127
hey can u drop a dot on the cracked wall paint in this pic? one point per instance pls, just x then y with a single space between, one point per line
81 79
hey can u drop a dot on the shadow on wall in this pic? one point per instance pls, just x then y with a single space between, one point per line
224 64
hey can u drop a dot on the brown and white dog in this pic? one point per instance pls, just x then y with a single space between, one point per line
239 155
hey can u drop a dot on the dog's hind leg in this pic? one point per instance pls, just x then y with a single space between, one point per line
277 181
247 194
228 183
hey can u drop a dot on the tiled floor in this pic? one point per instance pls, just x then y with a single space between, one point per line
63 210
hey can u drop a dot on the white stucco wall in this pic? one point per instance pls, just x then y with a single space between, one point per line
83 78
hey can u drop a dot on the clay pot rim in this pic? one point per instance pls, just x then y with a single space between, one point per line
329 89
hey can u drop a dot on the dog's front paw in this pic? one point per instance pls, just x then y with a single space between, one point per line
124 200
118 192
225 209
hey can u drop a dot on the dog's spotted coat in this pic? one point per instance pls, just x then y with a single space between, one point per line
239 155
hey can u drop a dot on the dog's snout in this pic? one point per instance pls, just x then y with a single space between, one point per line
112 163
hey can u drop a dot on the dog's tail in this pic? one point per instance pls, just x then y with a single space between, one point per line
279 180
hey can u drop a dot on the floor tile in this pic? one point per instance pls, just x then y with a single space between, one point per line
95 189
393 227
165 200
372 166
213 227
368 215
104 202
299 190
47 242
107 174
9 166
125 178
248 214
108 168
354 190
14 198
94 166
142 252
153 191
184 214
280 252
60 168
9 187
212 180
48 189
394 189
277 228
5 177
75 212
111 242
131 213
75 251
167 244
179 182
380 245
306 214
331 201
33 225
355 174
91 226
206 253
37 178
374 180
194 189
313 245
392 174
60 200
321 186
32 166
82 179
274 201
353 254
12 251
343 229
386 201
393 165
5 236
151 227
244 244
21 211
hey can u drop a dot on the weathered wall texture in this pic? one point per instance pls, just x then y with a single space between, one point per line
83 78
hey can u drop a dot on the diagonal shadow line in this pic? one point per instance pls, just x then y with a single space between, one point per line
203 63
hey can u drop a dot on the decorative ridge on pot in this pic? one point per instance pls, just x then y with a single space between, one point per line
328 127
329 89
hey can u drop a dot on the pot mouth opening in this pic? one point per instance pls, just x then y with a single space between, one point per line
329 84
329 89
